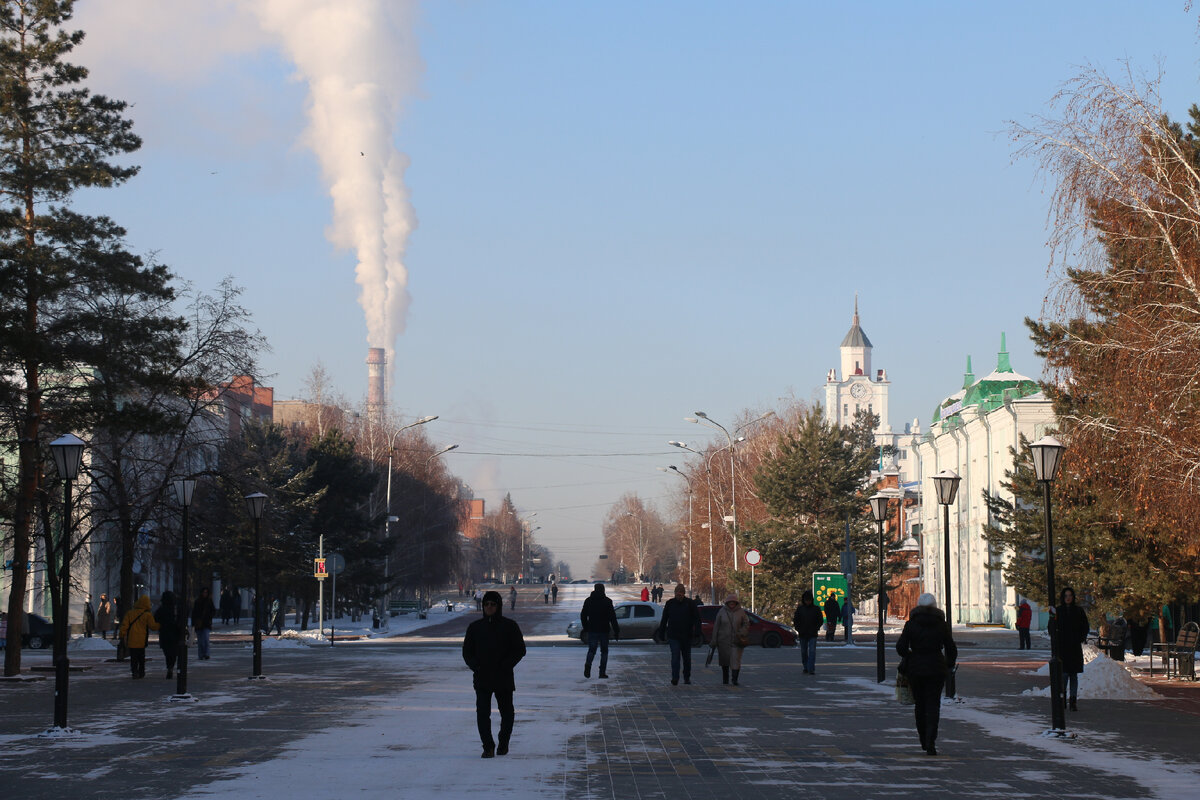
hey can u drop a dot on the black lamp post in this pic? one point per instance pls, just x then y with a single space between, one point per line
946 483
1047 455
68 455
255 503
184 487
879 504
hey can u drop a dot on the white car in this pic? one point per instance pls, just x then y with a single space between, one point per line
636 619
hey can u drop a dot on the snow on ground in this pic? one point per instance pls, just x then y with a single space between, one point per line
431 725
1102 678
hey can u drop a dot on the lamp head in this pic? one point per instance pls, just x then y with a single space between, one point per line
1047 457
879 504
946 483
184 487
68 455
255 504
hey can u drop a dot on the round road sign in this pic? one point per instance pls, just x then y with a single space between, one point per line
753 557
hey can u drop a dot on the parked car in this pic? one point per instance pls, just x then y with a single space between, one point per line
636 619
763 632
38 632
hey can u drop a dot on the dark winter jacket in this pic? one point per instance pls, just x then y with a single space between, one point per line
927 644
833 611
202 613
598 614
1071 627
808 618
680 620
492 648
167 617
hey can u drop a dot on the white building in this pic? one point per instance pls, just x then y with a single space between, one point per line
858 389
971 433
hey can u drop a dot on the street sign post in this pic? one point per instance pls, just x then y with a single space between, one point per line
753 558
829 583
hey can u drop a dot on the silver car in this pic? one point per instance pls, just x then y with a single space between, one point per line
636 619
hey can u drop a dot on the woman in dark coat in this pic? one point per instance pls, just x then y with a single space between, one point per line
928 652
1071 628
167 617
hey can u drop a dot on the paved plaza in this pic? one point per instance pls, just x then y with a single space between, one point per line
394 717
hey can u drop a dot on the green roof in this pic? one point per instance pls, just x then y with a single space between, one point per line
990 391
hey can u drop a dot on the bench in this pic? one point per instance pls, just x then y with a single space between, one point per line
1179 657
404 607
1111 638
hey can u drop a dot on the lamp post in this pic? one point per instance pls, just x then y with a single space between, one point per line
184 488
255 503
68 455
387 517
676 470
1047 455
879 504
712 579
946 483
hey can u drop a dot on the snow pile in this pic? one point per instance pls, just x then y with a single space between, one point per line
1102 678
94 644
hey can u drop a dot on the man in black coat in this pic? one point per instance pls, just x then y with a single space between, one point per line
597 616
492 648
1071 627
833 613
807 622
680 624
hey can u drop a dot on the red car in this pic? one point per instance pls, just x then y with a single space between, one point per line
762 631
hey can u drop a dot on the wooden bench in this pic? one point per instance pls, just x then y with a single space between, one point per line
1179 657
1111 638
404 606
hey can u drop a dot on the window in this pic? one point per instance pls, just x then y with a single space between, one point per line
845 410
622 612
643 611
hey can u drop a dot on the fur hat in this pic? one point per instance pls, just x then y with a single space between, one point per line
927 600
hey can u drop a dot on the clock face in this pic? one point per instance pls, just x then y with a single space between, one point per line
858 391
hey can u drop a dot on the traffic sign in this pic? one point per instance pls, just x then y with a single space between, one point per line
753 557
829 583
337 564
319 569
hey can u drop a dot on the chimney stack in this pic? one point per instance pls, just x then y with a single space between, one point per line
376 367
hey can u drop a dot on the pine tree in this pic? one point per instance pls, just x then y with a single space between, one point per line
55 138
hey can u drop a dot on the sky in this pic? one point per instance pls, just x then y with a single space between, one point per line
574 224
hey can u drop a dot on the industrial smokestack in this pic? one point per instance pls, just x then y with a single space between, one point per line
376 401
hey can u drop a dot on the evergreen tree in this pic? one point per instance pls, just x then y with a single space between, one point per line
55 138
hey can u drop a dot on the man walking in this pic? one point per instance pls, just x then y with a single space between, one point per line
833 613
597 616
807 622
680 623
202 621
492 648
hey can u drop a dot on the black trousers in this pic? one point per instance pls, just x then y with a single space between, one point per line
927 694
137 661
1023 641
169 655
483 715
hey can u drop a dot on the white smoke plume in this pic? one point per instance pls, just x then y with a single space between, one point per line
359 59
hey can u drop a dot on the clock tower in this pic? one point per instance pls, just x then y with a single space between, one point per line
856 388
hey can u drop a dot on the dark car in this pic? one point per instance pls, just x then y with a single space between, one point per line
762 631
38 632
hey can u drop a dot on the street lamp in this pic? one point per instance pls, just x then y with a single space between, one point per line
946 483
700 415
879 504
184 488
387 517
1047 455
68 456
675 469
255 503
712 580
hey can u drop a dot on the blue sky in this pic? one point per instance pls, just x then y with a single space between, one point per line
628 212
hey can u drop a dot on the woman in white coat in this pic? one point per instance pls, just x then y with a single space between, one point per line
730 635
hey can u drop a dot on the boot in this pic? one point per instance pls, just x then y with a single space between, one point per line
724 674
735 676
1073 706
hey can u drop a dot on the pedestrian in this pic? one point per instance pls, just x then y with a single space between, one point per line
730 636
276 619
118 617
89 618
167 617
927 655
135 632
1024 618
237 605
848 610
554 593
104 615
226 605
492 648
478 599
679 626
645 595
833 613
202 622
1071 628
598 616
512 597
546 595
807 621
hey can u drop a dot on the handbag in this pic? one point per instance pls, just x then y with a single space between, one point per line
708 661
904 695
743 640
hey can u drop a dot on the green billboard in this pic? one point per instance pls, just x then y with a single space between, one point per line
829 583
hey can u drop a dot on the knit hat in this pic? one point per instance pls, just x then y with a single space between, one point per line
493 597
927 600
599 587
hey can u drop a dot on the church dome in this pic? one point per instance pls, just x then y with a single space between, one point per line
990 391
